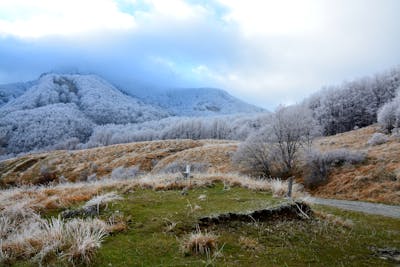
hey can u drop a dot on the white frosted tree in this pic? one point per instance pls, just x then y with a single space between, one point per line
275 148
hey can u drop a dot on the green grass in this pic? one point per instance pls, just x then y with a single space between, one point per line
315 242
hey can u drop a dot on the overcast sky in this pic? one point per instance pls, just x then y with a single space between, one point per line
264 52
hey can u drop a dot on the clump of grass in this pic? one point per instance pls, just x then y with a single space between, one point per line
25 235
83 238
102 200
279 188
200 243
333 219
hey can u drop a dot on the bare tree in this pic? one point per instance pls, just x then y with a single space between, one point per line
274 149
291 129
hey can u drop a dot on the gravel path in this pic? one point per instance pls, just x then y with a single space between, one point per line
371 208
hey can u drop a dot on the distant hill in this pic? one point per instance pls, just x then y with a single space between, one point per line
93 96
200 102
11 91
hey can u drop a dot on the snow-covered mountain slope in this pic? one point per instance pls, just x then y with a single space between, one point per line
29 129
200 102
11 91
94 97
60 107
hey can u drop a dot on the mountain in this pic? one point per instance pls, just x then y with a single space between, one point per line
61 108
93 96
58 110
199 102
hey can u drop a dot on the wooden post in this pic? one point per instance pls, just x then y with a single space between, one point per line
290 185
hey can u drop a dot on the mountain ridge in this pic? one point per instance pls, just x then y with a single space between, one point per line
59 110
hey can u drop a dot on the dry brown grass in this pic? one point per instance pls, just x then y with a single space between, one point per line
376 180
77 165
218 156
200 243
25 235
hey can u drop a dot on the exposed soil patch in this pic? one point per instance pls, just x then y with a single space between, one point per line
391 254
289 211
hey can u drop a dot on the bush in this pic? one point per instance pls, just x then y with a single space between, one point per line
377 139
253 156
389 115
318 164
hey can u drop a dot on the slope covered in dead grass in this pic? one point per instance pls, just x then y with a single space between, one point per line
375 180
78 165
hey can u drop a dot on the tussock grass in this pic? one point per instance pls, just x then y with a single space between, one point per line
25 235
42 240
200 243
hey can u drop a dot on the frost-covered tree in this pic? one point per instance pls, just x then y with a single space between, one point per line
389 115
26 130
274 149
353 104
291 129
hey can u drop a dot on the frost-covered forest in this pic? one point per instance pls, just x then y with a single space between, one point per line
82 111
353 104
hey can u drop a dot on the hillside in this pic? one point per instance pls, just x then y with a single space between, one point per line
65 111
147 156
375 180
94 97
200 102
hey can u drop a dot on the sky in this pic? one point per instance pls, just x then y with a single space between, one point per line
262 51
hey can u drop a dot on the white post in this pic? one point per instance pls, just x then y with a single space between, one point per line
188 169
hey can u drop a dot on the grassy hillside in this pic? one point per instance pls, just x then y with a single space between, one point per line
151 223
376 179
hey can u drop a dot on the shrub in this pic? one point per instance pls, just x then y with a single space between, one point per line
125 173
377 139
253 156
318 164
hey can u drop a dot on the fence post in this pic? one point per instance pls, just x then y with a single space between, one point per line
290 185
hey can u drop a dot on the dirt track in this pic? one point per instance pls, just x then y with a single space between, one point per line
371 208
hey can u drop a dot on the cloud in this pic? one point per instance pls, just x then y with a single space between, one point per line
266 52
34 19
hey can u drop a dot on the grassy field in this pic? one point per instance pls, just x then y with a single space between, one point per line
159 222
